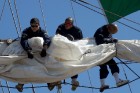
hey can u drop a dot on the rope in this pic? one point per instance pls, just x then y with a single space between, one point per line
2 10
129 68
9 2
33 88
8 87
43 16
17 15
104 15
1 87
66 83
123 69
126 78
90 80
110 12
73 12
59 90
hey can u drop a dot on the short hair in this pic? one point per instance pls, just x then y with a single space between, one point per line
113 25
34 20
69 19
112 28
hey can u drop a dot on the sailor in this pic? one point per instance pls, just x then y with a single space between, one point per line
33 31
104 35
69 30
72 32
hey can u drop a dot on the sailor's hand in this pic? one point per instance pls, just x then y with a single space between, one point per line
30 54
70 37
43 53
115 40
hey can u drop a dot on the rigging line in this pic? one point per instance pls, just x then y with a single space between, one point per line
8 87
33 88
129 67
1 87
43 16
104 15
123 68
126 78
2 10
110 12
103 11
99 88
90 80
123 63
67 84
17 15
59 90
9 2
73 12
128 26
127 62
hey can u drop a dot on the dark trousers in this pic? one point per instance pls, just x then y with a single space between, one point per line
104 71
74 77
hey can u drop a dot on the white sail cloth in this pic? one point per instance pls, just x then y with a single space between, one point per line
65 58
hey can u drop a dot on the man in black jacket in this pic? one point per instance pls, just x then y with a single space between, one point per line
103 35
33 31
69 30
72 32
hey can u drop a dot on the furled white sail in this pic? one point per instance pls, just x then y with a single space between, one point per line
65 58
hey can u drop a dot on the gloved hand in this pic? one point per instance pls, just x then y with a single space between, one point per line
30 54
70 37
115 40
43 53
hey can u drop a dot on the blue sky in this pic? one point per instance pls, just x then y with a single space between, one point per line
55 12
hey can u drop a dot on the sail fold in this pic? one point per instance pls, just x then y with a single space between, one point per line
65 58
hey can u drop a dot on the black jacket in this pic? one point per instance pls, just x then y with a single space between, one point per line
74 31
103 36
28 33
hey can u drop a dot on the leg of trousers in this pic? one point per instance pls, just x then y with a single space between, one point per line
104 71
74 77
113 66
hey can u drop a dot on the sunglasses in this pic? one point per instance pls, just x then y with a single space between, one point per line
34 25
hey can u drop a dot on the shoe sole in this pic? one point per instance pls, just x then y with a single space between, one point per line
74 86
123 84
19 88
102 89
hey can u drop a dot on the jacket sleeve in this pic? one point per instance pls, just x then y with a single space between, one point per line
80 34
46 38
99 39
24 41
60 30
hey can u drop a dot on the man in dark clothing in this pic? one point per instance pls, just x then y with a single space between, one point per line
33 31
72 32
103 35
67 29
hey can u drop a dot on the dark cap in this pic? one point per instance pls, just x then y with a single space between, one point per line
34 20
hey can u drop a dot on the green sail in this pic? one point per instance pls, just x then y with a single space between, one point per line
116 9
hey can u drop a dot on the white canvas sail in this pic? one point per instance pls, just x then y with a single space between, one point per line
65 58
